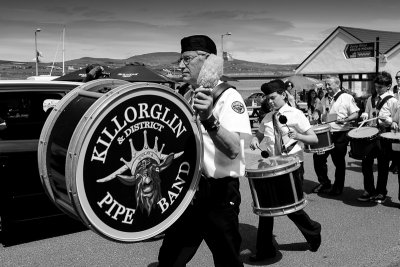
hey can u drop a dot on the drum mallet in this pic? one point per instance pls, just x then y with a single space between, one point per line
264 153
283 120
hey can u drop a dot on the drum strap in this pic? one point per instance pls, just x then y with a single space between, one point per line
382 102
219 89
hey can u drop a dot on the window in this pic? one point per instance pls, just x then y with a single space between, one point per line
24 114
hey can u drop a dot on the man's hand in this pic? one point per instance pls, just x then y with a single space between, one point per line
364 116
254 143
203 102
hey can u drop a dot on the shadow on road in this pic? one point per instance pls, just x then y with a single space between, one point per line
30 231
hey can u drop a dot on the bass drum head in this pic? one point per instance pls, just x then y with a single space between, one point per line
272 166
134 162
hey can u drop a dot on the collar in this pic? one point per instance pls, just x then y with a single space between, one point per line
382 96
284 108
335 94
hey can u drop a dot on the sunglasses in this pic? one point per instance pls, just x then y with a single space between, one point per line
397 77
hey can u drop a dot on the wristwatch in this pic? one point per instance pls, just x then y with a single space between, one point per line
211 124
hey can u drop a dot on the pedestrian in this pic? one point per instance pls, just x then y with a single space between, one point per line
291 99
343 109
313 105
386 108
213 216
296 130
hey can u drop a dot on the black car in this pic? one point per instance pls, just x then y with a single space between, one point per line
24 106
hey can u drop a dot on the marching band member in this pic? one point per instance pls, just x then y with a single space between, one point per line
214 215
342 106
386 108
279 143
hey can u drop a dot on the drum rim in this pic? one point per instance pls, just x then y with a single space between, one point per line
366 137
49 125
77 147
278 170
385 137
290 209
312 150
321 128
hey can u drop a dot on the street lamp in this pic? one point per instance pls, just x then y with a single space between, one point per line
36 51
222 48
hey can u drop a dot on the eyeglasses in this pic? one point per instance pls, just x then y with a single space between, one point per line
187 59
397 77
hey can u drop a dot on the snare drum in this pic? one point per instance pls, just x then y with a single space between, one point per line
325 143
362 141
274 188
124 158
390 142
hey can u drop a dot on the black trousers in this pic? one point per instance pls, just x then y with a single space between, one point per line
338 154
213 217
385 155
309 228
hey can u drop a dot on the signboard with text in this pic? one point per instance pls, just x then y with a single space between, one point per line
360 50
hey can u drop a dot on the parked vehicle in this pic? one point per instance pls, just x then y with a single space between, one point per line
24 106
254 98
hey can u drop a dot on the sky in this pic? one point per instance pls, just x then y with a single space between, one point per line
266 31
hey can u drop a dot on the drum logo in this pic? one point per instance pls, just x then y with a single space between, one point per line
141 165
145 167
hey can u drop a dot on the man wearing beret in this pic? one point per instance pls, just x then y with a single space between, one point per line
283 137
213 216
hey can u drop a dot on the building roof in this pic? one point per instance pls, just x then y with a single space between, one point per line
387 40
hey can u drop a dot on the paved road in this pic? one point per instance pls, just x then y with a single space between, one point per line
354 234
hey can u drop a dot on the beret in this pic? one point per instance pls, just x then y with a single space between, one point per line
273 86
198 43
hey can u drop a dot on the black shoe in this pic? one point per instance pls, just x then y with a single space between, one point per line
257 257
334 191
321 188
314 245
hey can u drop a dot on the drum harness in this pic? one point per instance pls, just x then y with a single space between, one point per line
379 105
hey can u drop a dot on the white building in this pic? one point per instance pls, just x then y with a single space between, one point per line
356 74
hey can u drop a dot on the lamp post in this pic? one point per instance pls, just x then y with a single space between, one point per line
36 51
222 48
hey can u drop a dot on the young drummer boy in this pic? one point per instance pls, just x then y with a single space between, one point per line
273 131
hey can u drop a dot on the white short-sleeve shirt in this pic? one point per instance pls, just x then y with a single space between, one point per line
296 120
343 107
232 114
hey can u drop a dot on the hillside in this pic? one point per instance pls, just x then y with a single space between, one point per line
158 61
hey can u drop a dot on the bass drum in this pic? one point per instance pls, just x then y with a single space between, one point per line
115 155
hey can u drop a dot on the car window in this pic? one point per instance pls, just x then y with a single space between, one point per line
23 114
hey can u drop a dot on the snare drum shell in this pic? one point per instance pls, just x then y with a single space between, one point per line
362 141
276 191
389 143
325 142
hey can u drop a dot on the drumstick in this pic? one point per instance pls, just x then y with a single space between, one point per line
264 153
364 121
